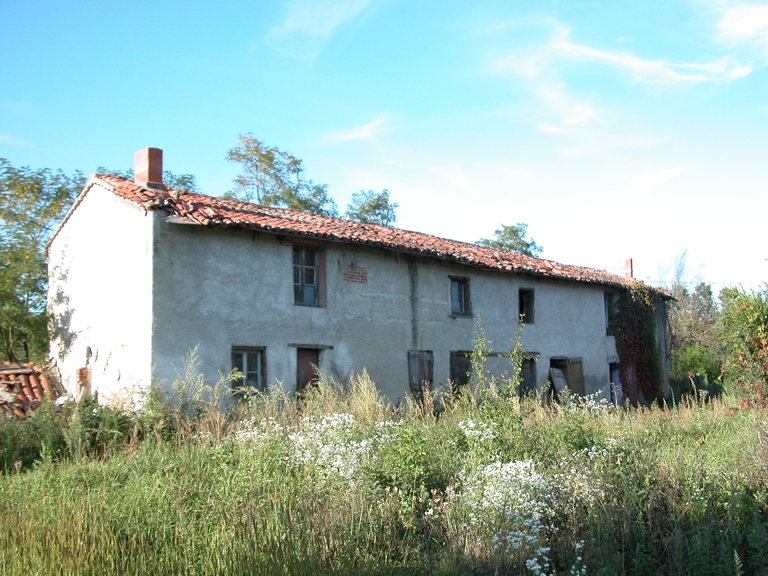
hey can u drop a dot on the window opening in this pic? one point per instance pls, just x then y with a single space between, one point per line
460 370
305 276
526 306
250 362
611 300
527 376
460 297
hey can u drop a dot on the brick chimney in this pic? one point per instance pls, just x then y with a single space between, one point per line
629 271
148 168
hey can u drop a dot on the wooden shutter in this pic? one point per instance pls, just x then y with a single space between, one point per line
575 375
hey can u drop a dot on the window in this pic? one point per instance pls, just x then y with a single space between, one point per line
460 297
420 364
526 306
306 276
566 373
461 370
528 376
250 361
611 300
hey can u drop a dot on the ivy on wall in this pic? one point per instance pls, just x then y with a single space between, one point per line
635 331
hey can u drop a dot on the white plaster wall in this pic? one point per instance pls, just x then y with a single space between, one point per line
217 288
100 294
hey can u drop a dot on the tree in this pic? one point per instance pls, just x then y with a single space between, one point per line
173 181
512 239
372 208
32 203
276 178
745 324
694 331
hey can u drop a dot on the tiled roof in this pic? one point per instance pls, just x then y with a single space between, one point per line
185 207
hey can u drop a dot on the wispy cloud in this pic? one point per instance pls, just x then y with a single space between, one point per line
643 70
9 140
744 24
310 24
560 112
370 131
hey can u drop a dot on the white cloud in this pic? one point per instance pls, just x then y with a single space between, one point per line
369 132
11 141
744 24
648 71
563 113
310 24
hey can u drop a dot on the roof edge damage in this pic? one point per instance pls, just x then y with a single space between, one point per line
183 207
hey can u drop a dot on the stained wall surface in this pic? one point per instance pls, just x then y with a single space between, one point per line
217 288
100 295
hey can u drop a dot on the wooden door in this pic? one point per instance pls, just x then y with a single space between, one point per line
575 374
307 360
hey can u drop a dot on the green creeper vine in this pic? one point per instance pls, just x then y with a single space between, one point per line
635 330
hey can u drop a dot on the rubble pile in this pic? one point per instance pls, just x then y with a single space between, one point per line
23 387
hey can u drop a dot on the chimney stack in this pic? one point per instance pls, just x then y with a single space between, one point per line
629 271
148 168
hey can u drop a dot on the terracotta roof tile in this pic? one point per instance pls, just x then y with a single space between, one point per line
184 207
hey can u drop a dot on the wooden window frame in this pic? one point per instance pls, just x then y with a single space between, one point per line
320 268
462 285
526 305
262 371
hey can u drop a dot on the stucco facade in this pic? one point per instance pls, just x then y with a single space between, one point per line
133 289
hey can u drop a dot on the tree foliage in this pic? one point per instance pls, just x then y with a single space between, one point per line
276 178
695 344
512 238
32 202
372 208
173 181
745 323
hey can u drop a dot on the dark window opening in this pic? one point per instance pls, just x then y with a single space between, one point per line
460 297
420 363
305 276
526 306
615 382
528 377
461 370
611 300
566 373
249 361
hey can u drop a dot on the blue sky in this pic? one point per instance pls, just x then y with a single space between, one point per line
613 129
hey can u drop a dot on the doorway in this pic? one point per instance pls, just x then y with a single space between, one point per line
307 361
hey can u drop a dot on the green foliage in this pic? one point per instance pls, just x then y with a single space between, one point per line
32 202
635 330
372 208
745 322
512 238
173 181
283 491
276 178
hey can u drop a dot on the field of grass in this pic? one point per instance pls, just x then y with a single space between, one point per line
343 484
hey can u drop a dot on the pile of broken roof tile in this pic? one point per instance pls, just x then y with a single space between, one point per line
23 387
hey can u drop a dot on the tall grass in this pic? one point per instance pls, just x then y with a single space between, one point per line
342 483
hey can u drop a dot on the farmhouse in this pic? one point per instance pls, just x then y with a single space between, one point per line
140 274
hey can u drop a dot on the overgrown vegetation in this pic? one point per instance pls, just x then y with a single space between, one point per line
635 329
344 484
